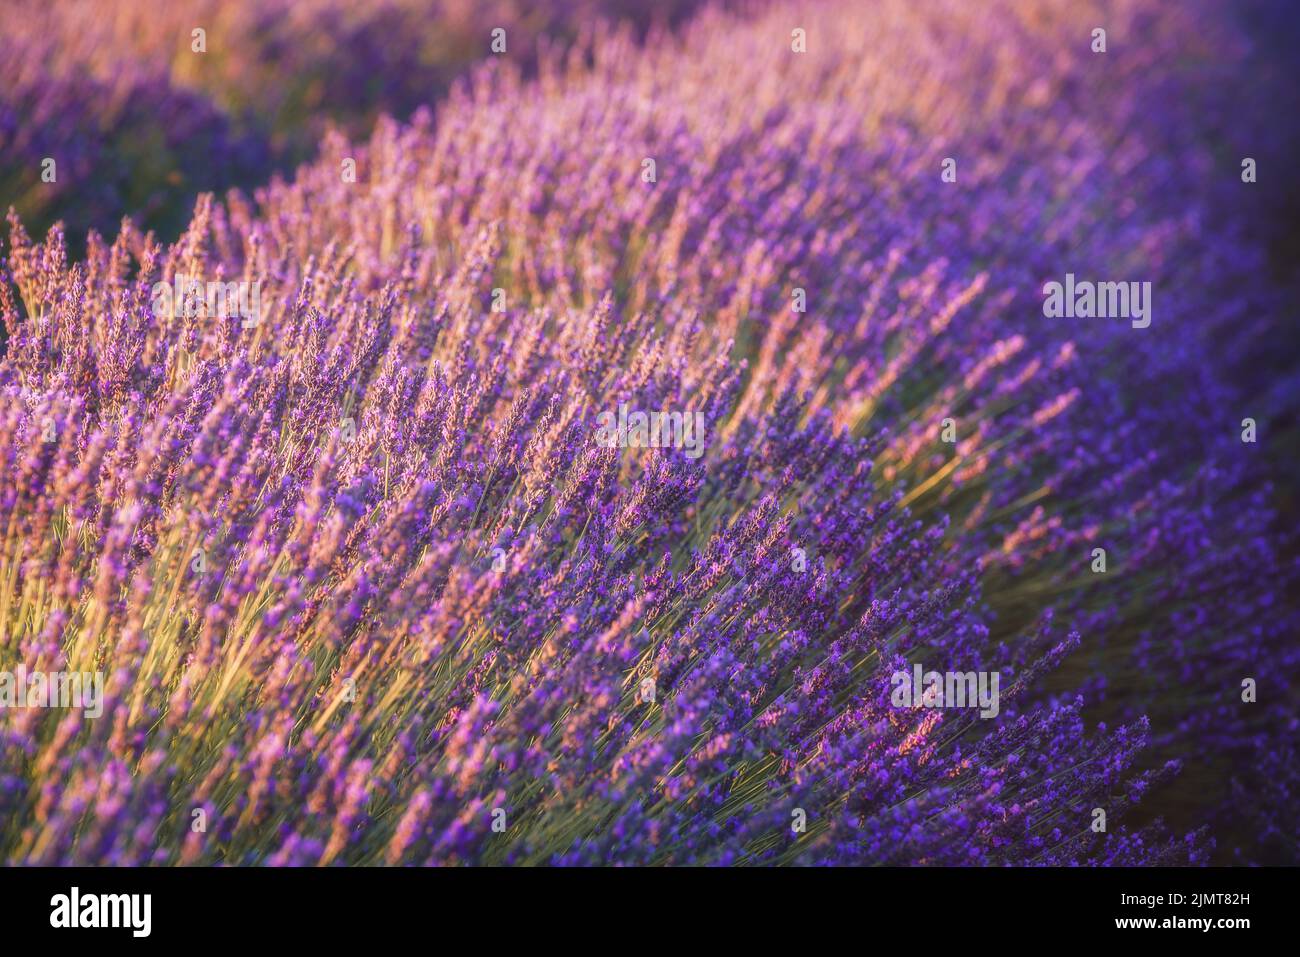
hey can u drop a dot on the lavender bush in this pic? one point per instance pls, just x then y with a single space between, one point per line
87 151
367 586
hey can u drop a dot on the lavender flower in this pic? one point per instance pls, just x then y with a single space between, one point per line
367 587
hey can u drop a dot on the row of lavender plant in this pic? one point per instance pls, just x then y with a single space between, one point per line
110 108
367 587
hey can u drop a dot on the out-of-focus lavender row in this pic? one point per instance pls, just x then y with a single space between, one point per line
429 599
141 114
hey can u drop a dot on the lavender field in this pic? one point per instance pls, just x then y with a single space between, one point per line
591 432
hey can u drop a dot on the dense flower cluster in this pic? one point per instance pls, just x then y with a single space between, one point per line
366 588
